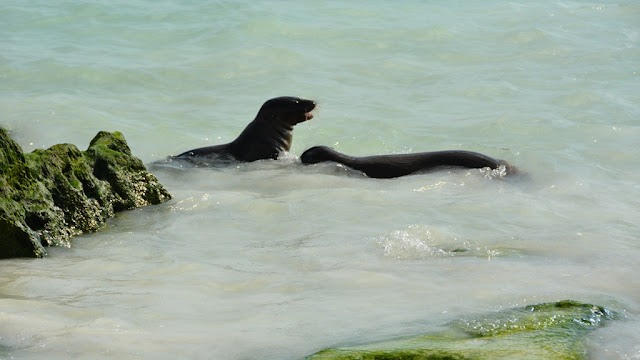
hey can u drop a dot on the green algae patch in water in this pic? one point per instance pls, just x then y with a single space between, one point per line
545 331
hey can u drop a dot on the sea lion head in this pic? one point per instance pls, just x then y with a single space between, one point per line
318 154
286 110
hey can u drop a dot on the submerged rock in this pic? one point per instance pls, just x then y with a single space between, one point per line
48 196
545 331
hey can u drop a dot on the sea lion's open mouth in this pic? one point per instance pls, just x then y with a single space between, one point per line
311 105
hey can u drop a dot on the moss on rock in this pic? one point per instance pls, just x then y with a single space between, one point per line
545 331
131 184
48 196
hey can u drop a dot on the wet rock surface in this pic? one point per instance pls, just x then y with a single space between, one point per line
48 196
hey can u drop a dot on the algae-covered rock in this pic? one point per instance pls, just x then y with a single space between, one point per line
48 196
111 160
545 331
17 188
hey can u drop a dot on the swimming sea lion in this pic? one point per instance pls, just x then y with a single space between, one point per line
395 165
264 138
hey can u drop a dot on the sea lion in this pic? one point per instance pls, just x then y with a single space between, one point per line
264 138
395 165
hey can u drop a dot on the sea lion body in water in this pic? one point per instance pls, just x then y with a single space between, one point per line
269 134
395 165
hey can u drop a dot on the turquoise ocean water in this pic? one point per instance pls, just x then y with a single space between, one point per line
275 260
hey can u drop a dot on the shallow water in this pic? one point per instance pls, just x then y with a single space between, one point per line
276 260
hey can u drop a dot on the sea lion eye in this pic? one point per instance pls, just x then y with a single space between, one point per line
297 102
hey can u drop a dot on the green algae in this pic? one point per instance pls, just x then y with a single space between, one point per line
48 196
21 198
545 331
132 185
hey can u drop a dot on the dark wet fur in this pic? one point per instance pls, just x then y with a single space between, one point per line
395 165
269 134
